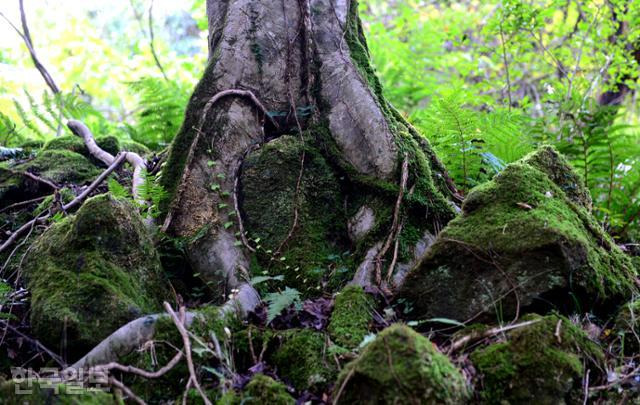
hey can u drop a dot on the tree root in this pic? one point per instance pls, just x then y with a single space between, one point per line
138 164
205 110
395 224
135 333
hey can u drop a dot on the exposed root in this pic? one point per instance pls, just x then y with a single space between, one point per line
395 224
138 164
205 110
135 333
236 205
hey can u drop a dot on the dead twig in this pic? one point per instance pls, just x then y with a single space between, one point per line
35 342
22 203
187 350
472 337
118 384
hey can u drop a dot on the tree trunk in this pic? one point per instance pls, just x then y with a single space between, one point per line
290 81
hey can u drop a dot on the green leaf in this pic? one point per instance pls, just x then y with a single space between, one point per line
261 279
279 301
228 225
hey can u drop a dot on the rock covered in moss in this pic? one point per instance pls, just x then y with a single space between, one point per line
59 166
400 366
91 273
268 187
627 327
302 360
542 363
349 322
527 234
76 144
260 390
35 393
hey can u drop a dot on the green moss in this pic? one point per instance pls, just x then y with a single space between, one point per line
264 390
520 229
61 166
400 366
76 144
627 327
36 393
66 195
133 146
350 318
301 359
91 273
269 178
542 363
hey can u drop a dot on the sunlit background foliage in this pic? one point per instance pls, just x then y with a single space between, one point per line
485 81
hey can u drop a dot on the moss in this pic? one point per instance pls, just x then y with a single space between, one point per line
542 363
36 393
91 273
627 327
133 146
520 229
75 144
400 366
61 166
265 390
351 316
268 188
301 359
65 194
32 145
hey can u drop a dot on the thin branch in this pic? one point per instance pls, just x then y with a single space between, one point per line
35 342
29 43
151 45
506 64
462 342
187 350
126 390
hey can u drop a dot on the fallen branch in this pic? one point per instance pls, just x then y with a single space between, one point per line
187 351
22 203
474 336
35 342
118 384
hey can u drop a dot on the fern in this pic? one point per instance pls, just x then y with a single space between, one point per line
154 193
161 110
117 189
279 301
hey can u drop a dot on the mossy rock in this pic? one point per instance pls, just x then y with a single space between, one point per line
133 146
66 195
76 144
525 239
351 315
32 145
400 366
91 273
542 363
260 390
268 188
59 166
35 393
302 360
627 327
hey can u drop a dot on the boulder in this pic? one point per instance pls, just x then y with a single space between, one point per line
542 363
351 315
524 240
58 166
91 273
400 367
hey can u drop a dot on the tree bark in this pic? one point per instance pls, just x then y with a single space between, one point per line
302 68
